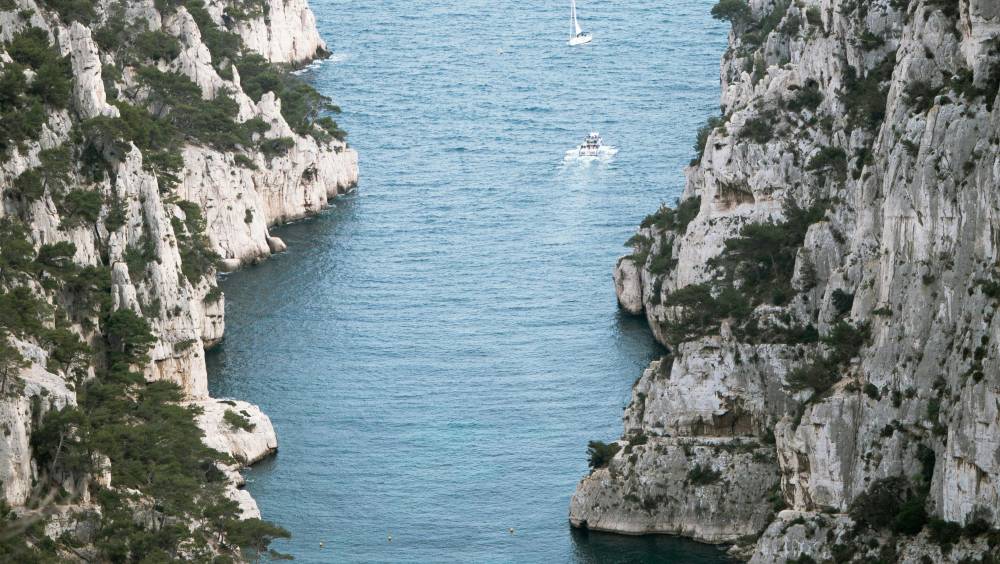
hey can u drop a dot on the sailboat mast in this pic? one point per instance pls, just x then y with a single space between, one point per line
572 13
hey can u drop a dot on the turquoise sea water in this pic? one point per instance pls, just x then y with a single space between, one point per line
436 350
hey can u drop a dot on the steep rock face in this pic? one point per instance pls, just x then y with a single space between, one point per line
17 469
282 31
879 123
148 228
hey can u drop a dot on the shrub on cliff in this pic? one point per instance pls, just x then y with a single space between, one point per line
129 337
895 504
80 207
222 44
817 375
845 340
877 507
829 159
703 475
701 140
676 218
157 45
759 129
807 98
761 261
301 105
768 23
72 10
11 363
842 302
238 421
600 453
254 537
198 258
736 12
701 311
864 94
276 147
187 115
23 104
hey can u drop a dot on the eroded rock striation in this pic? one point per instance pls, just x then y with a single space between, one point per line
146 145
827 286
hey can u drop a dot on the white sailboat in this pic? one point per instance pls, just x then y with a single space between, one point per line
579 36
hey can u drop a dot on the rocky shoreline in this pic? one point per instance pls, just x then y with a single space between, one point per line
212 202
826 286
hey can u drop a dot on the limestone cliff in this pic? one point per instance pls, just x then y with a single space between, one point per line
146 145
827 287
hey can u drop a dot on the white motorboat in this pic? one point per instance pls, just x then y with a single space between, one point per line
592 146
578 37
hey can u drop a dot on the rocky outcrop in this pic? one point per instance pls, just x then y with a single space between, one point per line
246 435
858 147
249 443
282 31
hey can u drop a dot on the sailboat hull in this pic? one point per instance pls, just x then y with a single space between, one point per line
581 39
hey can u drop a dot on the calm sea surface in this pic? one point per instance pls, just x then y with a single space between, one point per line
437 349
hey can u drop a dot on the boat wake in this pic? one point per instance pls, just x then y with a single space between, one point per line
605 154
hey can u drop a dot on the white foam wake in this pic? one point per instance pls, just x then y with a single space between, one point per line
605 153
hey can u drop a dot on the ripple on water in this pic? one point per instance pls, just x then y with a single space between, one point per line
436 350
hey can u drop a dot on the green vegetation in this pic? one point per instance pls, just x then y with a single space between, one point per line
674 219
600 453
72 10
807 98
762 258
161 468
736 12
920 94
184 117
842 302
758 33
701 140
150 438
23 106
222 44
154 447
198 259
814 16
301 105
829 160
212 122
703 475
667 219
52 175
157 45
890 503
238 421
11 362
276 147
865 96
843 343
760 128
80 207
950 8
701 312
869 41
254 537
213 296
138 255
754 268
